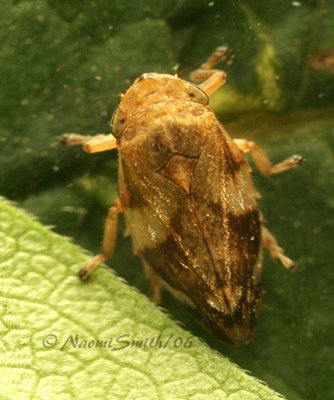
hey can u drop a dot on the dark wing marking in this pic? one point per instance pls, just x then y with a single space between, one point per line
206 242
163 226
223 195
222 192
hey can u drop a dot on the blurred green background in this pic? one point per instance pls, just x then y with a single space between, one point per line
62 65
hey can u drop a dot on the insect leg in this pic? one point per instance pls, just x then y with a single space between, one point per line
276 252
109 241
155 283
212 79
91 144
262 161
206 70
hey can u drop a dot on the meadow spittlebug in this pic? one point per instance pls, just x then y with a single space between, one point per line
188 199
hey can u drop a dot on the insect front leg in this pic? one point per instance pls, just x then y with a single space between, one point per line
212 79
262 161
276 252
109 241
91 144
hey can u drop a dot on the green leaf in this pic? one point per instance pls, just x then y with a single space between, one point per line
61 338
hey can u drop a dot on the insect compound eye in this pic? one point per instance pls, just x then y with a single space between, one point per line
113 118
146 75
196 94
117 122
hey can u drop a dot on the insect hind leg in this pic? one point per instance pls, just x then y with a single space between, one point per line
155 283
275 250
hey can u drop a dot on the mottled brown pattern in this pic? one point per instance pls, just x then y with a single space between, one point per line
179 169
189 203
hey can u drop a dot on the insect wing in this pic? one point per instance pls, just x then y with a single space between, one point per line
204 242
163 226
223 196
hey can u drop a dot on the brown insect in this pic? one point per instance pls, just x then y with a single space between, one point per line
188 199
